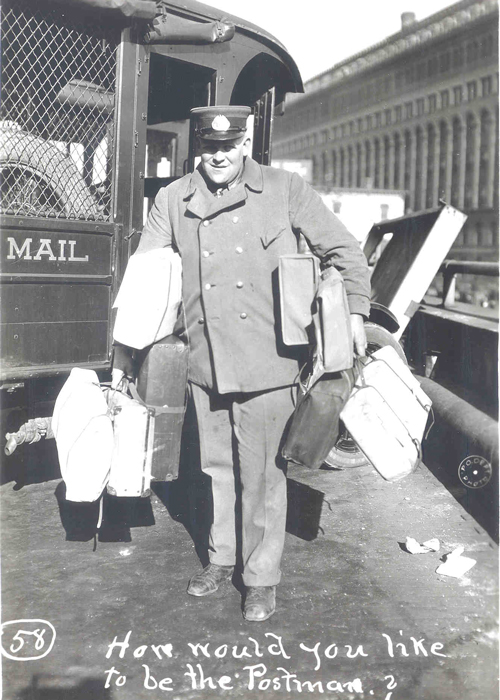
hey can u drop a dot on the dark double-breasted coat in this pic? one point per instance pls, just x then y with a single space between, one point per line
230 248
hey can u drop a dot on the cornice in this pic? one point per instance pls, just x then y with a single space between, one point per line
418 34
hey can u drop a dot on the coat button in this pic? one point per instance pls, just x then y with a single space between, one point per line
239 284
243 315
235 219
201 320
206 223
208 286
239 249
205 254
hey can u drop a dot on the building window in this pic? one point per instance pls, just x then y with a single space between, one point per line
420 106
368 154
387 153
458 94
349 166
444 62
397 156
398 114
458 56
470 151
334 167
407 166
471 90
409 110
368 122
324 168
358 165
487 46
432 66
431 175
485 156
432 103
485 236
344 130
472 52
342 168
486 84
455 162
378 119
360 126
351 128
443 159
376 164
420 71
445 99
471 237
388 117
419 165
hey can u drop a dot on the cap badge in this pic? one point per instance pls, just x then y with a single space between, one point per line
221 123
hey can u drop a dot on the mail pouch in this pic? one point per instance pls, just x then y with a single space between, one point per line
314 427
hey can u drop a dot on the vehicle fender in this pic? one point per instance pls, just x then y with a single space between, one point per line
382 316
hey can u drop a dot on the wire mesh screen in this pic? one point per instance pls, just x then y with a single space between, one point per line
57 114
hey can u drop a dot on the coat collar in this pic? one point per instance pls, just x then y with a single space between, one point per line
202 203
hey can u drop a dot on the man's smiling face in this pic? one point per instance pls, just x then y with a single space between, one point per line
222 161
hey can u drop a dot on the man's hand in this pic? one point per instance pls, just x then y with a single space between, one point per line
358 334
123 365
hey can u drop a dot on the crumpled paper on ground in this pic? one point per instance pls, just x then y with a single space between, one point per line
456 565
415 548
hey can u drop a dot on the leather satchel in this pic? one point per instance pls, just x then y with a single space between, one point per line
310 300
314 427
332 323
387 413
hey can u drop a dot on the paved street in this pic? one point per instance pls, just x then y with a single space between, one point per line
358 617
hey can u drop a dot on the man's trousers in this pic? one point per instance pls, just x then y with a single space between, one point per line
241 433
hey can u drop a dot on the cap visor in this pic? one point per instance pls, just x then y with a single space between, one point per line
222 136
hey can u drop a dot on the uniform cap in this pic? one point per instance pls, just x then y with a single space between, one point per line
220 123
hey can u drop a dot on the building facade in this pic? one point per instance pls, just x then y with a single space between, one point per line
417 112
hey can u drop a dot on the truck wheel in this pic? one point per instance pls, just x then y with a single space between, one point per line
345 454
39 180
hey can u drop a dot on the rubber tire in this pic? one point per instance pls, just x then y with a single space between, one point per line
35 156
345 454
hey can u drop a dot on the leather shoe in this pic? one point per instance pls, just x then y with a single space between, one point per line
209 580
260 603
